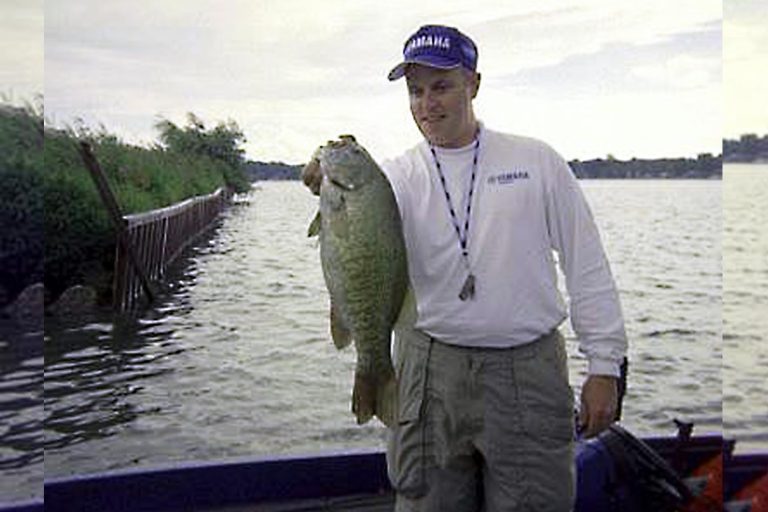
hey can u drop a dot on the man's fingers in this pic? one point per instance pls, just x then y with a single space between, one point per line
311 175
598 405
583 418
596 423
588 425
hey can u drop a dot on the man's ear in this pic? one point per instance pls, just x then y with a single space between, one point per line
476 85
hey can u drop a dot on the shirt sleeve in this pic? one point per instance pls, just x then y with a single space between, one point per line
595 309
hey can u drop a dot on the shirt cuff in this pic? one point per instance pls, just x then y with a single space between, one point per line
604 367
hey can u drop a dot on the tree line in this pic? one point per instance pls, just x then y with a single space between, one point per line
705 166
748 148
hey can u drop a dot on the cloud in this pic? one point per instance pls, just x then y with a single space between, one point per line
680 72
542 37
745 11
678 61
654 125
21 40
653 99
302 71
745 67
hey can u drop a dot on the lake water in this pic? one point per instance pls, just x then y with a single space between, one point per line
745 304
235 359
21 411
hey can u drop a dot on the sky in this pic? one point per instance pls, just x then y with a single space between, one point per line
591 78
745 67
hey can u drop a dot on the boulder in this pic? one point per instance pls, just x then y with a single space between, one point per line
28 306
75 300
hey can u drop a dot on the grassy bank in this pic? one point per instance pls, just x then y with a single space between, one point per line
43 167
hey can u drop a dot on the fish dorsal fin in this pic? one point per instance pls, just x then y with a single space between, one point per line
314 226
340 333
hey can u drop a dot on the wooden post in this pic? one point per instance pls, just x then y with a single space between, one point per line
117 217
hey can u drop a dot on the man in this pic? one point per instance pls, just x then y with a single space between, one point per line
485 408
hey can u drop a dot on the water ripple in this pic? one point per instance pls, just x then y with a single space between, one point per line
236 359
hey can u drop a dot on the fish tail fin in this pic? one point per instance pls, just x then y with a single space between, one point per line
375 395
386 401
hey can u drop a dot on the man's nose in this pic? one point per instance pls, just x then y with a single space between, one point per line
430 100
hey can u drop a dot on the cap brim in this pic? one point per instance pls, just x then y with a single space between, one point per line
399 70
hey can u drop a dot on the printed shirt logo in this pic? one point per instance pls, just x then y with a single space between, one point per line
423 41
507 178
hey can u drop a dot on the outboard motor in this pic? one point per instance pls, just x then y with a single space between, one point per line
617 472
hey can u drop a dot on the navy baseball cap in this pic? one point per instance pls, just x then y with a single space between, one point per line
437 46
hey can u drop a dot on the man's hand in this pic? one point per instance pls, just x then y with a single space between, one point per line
599 398
311 175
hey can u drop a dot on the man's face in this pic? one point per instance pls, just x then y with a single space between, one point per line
441 104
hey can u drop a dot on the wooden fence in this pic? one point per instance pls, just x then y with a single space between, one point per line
157 238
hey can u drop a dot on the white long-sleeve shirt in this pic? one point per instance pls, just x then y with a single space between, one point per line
526 203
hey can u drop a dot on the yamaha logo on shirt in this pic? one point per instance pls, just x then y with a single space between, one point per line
508 178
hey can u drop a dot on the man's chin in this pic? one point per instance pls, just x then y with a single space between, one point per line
434 137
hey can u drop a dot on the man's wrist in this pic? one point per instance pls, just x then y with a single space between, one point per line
605 367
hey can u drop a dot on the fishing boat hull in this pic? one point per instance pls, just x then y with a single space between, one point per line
356 481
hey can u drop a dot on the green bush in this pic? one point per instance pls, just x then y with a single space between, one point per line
21 200
51 216
220 144
79 234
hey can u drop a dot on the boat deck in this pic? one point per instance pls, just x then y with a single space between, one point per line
361 502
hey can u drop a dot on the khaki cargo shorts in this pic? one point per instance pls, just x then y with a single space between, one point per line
482 429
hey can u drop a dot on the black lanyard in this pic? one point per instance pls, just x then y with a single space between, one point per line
468 290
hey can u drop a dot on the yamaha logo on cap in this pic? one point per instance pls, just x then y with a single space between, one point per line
417 42
437 46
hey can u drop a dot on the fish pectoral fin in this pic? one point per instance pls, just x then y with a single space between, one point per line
314 226
340 333
375 395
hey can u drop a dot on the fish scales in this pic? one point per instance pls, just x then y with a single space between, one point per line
364 266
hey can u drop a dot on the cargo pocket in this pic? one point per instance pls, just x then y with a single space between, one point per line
406 454
545 396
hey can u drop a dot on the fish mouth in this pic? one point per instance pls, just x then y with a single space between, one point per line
342 185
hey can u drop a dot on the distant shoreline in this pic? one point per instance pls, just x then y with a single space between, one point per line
748 149
705 166
759 161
